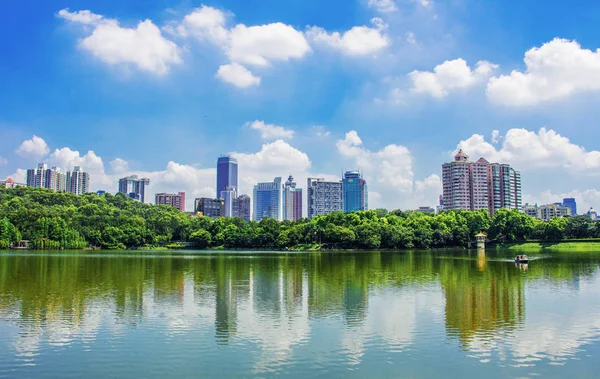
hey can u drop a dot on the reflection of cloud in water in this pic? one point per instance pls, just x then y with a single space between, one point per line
553 330
277 329
391 318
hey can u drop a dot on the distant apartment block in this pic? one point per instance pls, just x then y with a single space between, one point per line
44 177
479 185
292 200
78 181
242 207
355 195
428 210
323 197
268 200
547 212
175 200
10 183
206 206
134 187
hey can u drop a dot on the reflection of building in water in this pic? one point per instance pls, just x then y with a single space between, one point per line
482 301
355 302
225 301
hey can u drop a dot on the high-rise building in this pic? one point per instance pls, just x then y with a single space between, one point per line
175 200
242 207
206 206
78 182
44 177
227 173
571 203
134 188
480 185
292 200
268 200
10 183
355 192
229 194
323 197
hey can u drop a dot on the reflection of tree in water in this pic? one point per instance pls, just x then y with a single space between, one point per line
480 301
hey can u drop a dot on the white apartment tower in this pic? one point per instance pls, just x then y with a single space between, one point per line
323 197
44 177
78 182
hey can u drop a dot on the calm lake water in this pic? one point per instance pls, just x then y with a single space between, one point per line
338 315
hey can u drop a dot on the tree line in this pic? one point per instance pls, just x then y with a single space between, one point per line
56 220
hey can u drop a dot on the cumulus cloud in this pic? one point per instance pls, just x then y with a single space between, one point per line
205 23
271 131
35 147
238 75
389 172
260 44
360 40
454 74
119 165
546 148
558 69
143 47
383 6
85 17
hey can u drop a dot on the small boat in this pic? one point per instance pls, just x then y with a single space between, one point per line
521 259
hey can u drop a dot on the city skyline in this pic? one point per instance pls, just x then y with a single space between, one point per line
435 81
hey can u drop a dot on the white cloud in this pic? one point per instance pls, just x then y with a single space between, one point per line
449 75
360 40
495 136
558 69
271 131
425 3
238 75
3 161
205 23
83 17
277 154
522 147
389 173
258 45
410 38
320 131
35 147
119 165
383 6
143 46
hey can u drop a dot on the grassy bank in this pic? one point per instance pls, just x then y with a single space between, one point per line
568 246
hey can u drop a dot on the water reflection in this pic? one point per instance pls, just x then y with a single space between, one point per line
294 309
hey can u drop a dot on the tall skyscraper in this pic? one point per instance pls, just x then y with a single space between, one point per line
229 194
227 173
355 192
134 188
323 197
292 200
44 177
571 203
268 200
242 207
78 182
175 200
209 207
480 185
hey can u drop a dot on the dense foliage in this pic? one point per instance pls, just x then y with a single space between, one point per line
63 220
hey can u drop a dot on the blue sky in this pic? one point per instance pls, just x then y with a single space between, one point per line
393 87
